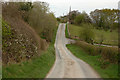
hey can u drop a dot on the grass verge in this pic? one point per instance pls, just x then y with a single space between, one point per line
66 31
37 67
110 72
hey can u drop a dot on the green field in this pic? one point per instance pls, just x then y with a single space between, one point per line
111 71
110 38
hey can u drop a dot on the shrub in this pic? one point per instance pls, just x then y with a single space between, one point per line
91 49
108 54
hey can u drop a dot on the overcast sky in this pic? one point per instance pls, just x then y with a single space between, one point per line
60 7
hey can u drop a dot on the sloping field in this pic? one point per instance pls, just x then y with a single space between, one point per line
110 38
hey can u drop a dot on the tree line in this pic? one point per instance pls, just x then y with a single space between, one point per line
106 19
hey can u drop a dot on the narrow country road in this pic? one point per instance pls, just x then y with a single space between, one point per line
66 64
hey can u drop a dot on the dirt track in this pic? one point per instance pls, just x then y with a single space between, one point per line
66 64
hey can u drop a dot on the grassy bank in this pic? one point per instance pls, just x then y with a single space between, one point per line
37 67
110 38
111 71
25 54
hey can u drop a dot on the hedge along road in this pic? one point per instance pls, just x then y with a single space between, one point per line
66 64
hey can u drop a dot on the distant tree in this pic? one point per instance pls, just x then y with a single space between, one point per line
82 18
105 18
72 15
62 19
58 19
87 18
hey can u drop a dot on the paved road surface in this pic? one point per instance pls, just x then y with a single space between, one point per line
66 64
